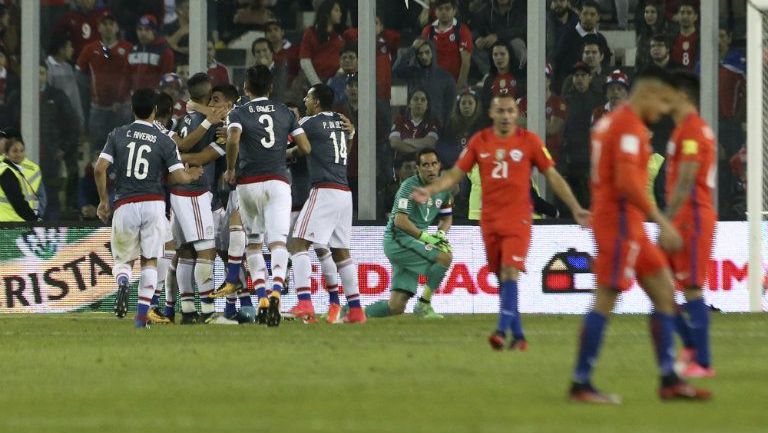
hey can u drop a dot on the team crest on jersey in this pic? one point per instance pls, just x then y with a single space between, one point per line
686 45
500 154
516 155
438 203
452 37
121 51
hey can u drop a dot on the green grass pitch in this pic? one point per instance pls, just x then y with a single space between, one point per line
93 373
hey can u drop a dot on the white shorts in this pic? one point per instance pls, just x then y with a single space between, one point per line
138 230
326 218
265 208
192 218
168 229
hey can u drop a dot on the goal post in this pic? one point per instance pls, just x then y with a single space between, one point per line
757 30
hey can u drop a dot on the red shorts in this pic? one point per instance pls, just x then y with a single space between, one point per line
624 254
689 265
506 249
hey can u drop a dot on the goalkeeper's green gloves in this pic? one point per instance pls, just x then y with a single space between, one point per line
439 241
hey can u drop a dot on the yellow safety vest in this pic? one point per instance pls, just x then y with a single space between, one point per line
31 188
654 166
7 214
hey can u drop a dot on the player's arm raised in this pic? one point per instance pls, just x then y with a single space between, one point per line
685 181
561 188
447 179
213 117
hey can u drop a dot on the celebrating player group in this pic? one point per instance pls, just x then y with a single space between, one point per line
173 213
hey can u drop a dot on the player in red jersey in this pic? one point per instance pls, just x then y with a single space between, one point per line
690 185
506 154
620 152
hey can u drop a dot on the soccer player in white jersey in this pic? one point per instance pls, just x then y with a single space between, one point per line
257 138
141 154
326 218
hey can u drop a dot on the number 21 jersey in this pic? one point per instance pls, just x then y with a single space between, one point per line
505 175
265 126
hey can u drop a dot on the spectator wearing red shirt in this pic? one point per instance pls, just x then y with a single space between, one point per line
284 52
556 112
414 130
105 62
453 41
218 72
80 25
503 77
685 47
322 43
387 43
151 57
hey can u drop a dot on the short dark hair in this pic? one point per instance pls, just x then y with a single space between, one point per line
688 83
660 37
199 86
164 103
261 41
654 72
439 3
324 94
143 102
258 80
229 91
590 39
426 151
56 44
349 48
590 4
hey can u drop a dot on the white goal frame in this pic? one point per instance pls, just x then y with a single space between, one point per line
755 136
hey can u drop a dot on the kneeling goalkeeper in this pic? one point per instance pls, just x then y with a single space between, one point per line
410 248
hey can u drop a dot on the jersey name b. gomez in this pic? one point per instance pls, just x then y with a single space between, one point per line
141 154
265 126
186 125
328 159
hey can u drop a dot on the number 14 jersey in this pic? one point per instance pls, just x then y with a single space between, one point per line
265 126
328 159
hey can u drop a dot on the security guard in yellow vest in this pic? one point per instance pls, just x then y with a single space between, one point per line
13 204
34 181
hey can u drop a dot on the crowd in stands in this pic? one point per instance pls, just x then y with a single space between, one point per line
450 58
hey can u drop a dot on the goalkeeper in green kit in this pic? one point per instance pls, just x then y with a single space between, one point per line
410 248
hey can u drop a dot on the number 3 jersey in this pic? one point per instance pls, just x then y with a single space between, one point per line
141 156
265 126
328 159
505 165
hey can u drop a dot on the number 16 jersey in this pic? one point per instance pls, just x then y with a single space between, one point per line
141 156
265 126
